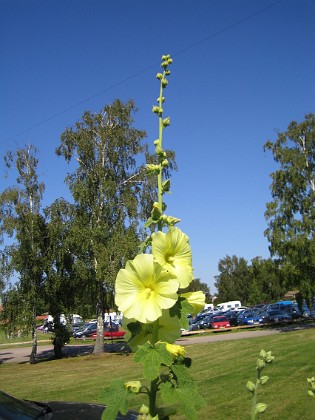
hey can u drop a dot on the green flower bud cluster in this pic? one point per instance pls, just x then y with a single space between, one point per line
157 110
166 61
162 161
264 359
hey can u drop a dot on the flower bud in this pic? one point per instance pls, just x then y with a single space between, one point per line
156 142
133 386
167 72
156 212
264 379
250 386
166 122
164 163
159 150
164 82
260 364
144 409
175 349
260 408
159 76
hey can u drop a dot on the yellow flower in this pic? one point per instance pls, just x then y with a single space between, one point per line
172 251
133 386
175 350
196 299
144 288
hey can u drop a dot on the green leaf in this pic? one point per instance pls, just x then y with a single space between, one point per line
115 399
185 394
181 309
153 358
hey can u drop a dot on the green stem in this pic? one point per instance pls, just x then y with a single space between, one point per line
254 401
155 331
152 397
160 178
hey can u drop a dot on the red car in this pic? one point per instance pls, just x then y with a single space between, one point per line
111 334
219 322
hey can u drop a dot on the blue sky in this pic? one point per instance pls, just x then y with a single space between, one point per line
242 71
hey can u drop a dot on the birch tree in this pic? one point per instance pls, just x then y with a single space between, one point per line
107 192
22 221
291 213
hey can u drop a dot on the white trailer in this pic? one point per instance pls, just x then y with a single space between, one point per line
233 304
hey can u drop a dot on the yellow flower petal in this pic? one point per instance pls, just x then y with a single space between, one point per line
172 251
144 288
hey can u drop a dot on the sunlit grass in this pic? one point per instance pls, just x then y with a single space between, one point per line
221 370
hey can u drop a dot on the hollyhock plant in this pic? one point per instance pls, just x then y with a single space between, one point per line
148 292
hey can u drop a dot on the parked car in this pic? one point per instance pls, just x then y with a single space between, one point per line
12 408
220 322
195 323
111 334
206 321
250 318
232 316
88 329
111 331
274 316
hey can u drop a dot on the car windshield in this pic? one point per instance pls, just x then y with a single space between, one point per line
219 319
275 312
12 409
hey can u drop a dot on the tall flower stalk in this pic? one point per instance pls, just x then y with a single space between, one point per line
148 292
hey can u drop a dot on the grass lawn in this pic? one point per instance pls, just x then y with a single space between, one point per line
221 370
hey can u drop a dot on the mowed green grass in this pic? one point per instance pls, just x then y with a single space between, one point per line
221 370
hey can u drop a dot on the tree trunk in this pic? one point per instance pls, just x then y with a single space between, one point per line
34 346
99 342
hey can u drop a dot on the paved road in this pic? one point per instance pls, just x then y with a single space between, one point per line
21 354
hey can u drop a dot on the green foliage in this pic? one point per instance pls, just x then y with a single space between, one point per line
260 281
291 214
152 358
106 190
22 220
115 399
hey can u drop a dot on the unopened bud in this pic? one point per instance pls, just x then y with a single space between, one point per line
166 122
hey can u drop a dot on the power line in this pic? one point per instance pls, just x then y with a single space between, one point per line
122 81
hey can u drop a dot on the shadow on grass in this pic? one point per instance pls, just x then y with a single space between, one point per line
21 355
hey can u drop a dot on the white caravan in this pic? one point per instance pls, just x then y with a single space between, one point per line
233 304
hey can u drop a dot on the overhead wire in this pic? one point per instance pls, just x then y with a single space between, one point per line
134 75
